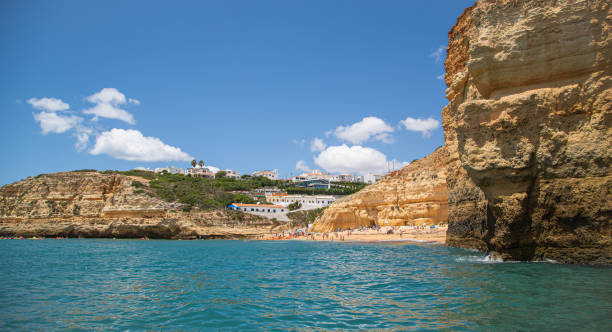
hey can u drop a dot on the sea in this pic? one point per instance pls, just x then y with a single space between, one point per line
225 285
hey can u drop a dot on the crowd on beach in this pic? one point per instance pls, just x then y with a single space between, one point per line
424 233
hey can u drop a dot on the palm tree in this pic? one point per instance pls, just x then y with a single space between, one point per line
194 163
201 163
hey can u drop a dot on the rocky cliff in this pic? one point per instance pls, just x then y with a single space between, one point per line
528 130
93 204
413 195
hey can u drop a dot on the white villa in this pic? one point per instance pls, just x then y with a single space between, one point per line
272 175
200 171
229 173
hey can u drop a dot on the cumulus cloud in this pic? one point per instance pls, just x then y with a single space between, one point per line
52 123
317 145
439 53
354 159
134 101
132 145
369 127
48 104
302 166
107 105
424 126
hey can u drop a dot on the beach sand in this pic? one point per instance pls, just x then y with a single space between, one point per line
401 233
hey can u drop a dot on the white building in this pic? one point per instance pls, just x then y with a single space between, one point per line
314 175
272 175
372 178
308 202
171 170
269 211
232 174
345 178
200 171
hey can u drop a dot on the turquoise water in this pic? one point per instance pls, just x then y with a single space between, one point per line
243 285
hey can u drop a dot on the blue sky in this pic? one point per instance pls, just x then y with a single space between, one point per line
247 85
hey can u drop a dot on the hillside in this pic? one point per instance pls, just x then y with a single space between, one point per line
108 204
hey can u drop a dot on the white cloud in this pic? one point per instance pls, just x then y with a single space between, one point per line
82 135
300 142
131 145
52 123
107 105
365 129
385 138
354 159
213 169
48 104
134 101
440 77
111 112
425 126
107 96
317 145
302 166
439 53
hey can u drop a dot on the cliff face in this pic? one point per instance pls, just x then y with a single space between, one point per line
528 130
93 204
413 195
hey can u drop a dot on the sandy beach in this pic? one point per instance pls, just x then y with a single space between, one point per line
383 234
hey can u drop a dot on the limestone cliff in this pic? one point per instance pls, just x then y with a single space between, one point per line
528 130
413 195
93 204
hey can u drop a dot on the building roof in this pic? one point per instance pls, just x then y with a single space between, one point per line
257 205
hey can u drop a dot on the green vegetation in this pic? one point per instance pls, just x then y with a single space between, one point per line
301 219
85 170
138 184
220 192
143 174
338 188
294 206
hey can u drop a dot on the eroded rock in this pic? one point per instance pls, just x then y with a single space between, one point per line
528 130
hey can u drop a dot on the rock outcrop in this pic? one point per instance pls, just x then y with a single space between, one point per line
528 130
93 204
413 195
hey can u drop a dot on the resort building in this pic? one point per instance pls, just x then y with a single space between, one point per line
171 170
308 202
371 178
272 175
201 172
231 174
269 211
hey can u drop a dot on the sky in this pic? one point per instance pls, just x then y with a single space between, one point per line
341 86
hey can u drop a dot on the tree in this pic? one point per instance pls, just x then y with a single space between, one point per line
201 163
220 174
194 163
294 206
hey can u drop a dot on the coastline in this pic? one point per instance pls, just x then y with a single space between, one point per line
435 235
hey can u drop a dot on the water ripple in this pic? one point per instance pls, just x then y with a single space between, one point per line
242 285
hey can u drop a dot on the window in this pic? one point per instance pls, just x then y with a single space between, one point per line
252 209
268 210
274 210
244 209
282 210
